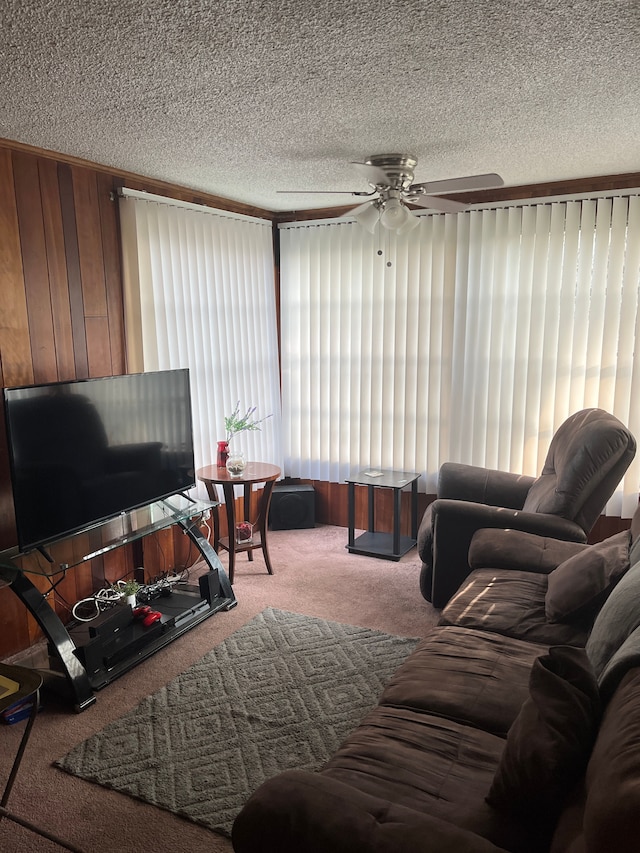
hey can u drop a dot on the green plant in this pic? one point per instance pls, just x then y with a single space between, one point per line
128 587
234 424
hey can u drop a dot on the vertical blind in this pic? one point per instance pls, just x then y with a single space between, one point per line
470 339
199 293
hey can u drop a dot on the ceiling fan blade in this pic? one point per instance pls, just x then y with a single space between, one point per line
374 175
454 185
356 211
328 192
446 205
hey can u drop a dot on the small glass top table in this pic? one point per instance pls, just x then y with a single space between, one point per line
255 472
389 546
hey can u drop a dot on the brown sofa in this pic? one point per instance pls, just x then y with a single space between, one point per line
506 730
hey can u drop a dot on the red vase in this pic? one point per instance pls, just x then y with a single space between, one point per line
223 453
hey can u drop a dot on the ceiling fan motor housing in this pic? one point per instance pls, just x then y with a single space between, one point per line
399 169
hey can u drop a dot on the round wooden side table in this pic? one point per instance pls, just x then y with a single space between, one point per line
255 472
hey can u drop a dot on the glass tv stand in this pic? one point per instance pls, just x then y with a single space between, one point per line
86 657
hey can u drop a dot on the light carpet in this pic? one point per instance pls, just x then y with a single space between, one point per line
283 691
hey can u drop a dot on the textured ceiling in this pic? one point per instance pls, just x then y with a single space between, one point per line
244 98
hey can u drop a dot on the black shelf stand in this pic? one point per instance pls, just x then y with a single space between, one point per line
372 543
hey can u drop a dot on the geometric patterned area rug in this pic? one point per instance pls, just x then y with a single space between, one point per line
281 692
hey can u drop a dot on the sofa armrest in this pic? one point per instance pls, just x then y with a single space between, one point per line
483 485
516 549
454 524
302 811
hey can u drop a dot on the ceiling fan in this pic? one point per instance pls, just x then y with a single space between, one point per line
391 179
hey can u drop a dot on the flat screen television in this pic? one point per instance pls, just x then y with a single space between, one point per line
84 451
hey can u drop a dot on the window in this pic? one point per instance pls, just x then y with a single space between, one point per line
470 339
199 287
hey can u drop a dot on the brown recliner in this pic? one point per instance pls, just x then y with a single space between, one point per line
587 459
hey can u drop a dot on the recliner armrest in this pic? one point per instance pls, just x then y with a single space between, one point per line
483 485
302 811
454 524
519 550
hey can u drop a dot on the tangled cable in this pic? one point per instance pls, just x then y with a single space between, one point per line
90 608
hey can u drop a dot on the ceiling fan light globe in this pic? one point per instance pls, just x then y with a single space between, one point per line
394 214
368 217
410 224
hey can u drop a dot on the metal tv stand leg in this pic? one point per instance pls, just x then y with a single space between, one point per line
58 636
211 559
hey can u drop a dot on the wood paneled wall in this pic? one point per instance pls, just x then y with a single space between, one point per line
62 318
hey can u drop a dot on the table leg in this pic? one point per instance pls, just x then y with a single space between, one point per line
351 503
371 498
397 499
25 737
231 524
247 511
4 812
263 517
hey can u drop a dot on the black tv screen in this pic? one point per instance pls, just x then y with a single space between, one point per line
85 451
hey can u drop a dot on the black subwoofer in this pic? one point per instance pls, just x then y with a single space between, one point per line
292 506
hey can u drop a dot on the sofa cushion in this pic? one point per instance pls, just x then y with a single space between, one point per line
549 744
303 812
613 792
462 675
580 585
510 603
618 618
417 759
433 765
